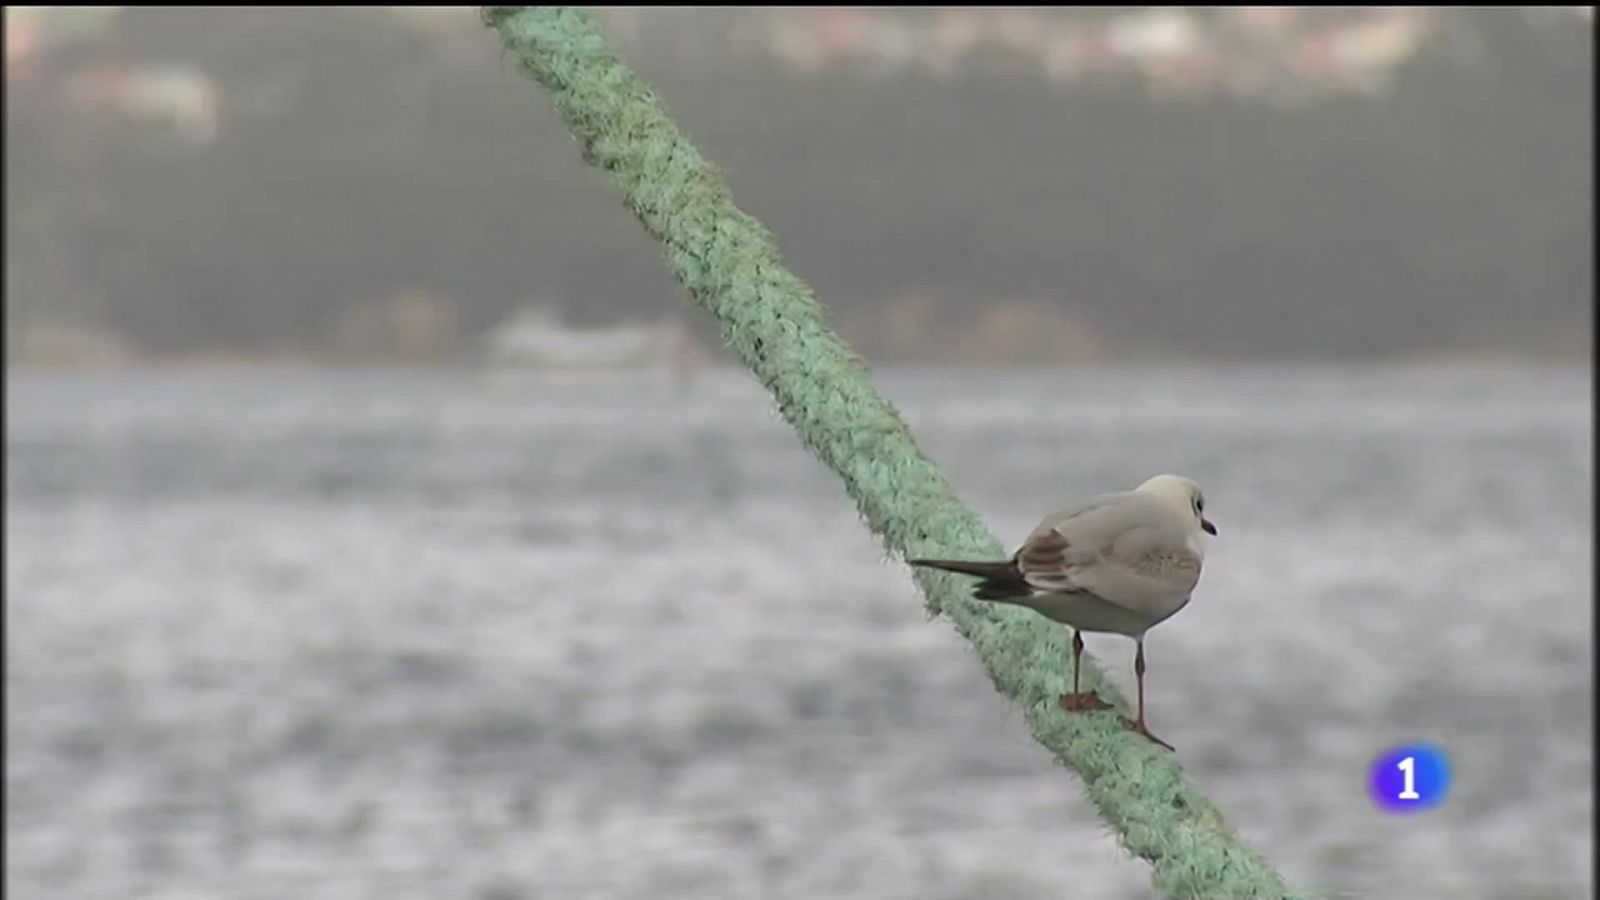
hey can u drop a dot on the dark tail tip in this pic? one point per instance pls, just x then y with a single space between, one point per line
1001 580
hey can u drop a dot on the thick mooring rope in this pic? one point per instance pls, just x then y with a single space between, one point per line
770 318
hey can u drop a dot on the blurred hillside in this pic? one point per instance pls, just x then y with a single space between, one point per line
1268 182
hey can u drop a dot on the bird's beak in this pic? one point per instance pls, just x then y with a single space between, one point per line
1207 527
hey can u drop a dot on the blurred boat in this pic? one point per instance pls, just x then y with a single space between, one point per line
535 343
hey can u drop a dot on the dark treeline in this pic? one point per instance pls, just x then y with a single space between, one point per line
354 160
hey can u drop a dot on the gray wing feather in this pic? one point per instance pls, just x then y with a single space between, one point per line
1126 549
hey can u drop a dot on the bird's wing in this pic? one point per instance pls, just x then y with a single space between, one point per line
1125 550
1066 541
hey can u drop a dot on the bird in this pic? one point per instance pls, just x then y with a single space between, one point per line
1121 563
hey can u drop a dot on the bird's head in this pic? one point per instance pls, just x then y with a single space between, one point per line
1182 494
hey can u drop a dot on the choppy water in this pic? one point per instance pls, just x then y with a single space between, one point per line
392 634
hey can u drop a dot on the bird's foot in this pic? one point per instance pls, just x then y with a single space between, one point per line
1138 728
1084 701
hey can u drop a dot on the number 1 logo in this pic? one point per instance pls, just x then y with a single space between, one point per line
1408 767
1409 778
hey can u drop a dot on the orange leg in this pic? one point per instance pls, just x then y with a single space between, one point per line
1138 724
1077 701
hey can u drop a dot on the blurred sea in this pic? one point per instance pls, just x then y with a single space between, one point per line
394 634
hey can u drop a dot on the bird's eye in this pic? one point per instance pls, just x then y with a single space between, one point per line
1199 505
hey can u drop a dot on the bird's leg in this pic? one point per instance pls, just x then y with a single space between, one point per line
1078 701
1138 724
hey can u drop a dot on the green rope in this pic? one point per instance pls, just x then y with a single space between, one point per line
731 266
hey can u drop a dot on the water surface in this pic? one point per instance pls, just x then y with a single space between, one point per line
398 634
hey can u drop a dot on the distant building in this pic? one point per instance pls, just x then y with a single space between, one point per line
1249 50
409 325
34 31
63 342
175 96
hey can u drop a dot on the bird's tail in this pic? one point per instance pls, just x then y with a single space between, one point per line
1002 581
980 569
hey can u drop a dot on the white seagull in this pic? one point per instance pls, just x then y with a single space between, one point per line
1122 563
